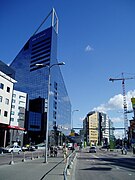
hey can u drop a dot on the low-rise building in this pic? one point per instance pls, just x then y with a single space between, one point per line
6 91
18 114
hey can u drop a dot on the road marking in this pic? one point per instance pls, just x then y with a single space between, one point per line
90 160
96 156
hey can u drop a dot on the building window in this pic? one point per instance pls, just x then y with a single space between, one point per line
54 104
8 89
21 97
21 102
13 106
54 114
5 113
6 101
12 112
13 100
0 111
12 119
55 85
1 86
14 95
55 95
0 98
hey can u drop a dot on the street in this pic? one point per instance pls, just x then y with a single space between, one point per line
7 158
104 165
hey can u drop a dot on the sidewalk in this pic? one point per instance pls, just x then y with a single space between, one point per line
34 169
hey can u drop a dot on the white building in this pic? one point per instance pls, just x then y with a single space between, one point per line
18 113
105 127
6 90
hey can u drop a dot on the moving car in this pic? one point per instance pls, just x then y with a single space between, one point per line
14 148
70 146
40 146
92 149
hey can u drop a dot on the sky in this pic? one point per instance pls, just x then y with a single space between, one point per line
96 41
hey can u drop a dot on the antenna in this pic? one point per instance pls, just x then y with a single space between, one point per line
54 21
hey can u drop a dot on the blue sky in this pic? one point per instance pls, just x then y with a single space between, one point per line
96 41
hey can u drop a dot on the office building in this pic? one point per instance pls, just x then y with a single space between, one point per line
96 127
41 48
7 70
93 128
105 128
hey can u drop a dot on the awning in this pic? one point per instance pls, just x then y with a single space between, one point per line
16 128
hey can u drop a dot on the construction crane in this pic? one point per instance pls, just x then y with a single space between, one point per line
124 100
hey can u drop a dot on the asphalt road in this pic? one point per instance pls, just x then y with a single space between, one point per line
7 158
104 165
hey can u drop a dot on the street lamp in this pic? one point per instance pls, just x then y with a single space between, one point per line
72 117
49 84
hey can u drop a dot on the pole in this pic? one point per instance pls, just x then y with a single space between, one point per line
46 145
72 117
47 121
5 137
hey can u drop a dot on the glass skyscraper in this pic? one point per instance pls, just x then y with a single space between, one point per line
41 48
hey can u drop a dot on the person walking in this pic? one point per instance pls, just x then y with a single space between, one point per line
55 151
122 150
65 153
51 151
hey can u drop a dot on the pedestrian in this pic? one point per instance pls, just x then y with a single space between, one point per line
65 153
122 150
133 149
51 151
55 151
125 150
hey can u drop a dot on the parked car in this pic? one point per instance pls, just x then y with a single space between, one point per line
60 147
14 148
92 149
1 150
118 147
40 146
105 147
28 148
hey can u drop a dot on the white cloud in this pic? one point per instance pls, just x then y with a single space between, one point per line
119 134
88 48
115 103
116 119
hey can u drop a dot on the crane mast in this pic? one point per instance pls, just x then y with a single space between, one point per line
125 109
124 101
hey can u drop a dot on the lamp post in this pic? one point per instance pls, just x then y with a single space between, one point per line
49 87
72 117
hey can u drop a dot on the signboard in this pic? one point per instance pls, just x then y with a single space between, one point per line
72 134
133 102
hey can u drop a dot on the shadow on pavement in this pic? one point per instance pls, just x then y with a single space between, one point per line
98 169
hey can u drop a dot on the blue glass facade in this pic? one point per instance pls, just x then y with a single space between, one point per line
42 49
